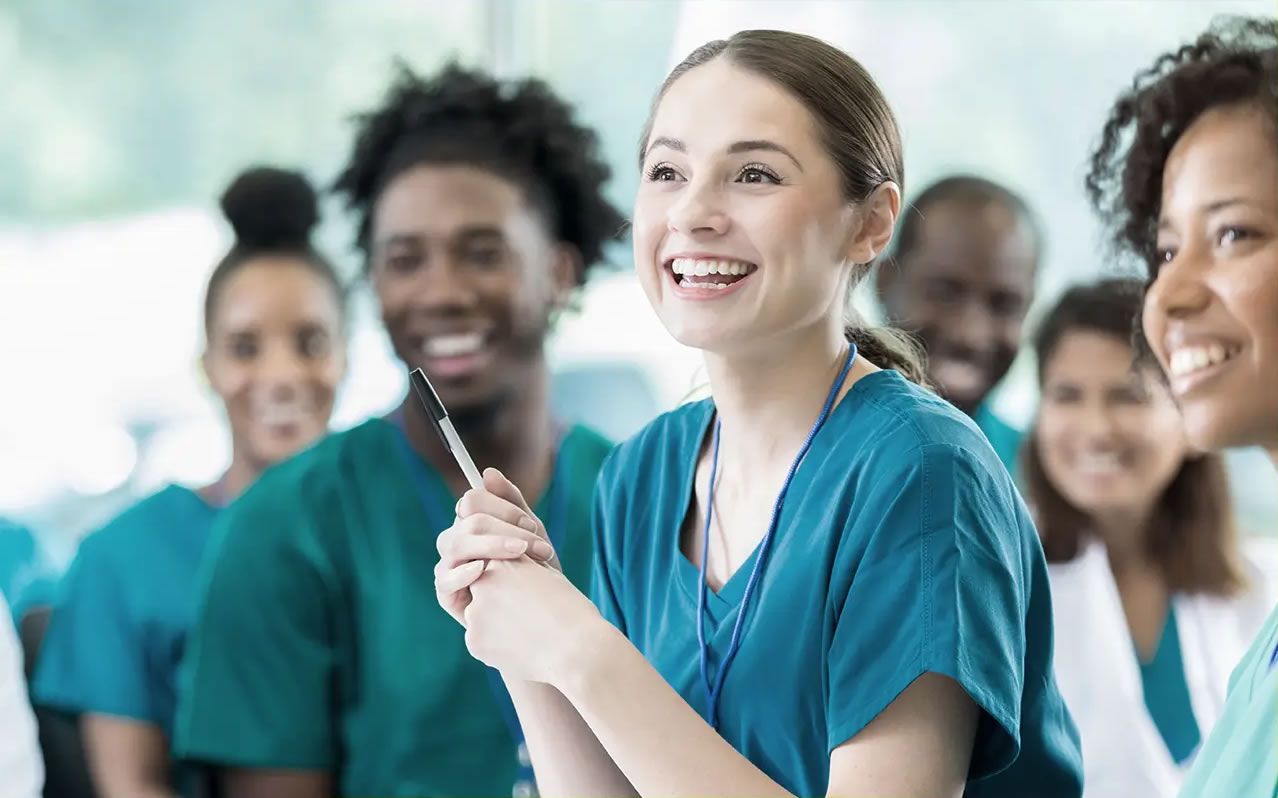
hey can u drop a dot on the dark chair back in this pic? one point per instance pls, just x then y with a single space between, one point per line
66 774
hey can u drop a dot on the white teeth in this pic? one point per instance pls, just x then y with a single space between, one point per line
701 267
279 414
1101 463
686 283
452 345
1189 359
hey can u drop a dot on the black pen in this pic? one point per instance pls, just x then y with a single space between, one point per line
439 417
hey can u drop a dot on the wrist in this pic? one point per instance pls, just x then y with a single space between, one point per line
595 648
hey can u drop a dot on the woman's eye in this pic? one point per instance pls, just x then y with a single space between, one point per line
758 175
661 173
401 262
1232 235
244 348
313 344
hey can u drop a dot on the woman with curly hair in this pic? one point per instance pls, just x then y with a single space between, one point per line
1187 174
320 663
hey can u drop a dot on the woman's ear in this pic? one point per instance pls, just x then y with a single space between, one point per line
875 222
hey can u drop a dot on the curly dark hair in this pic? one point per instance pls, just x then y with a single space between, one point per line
519 130
1234 61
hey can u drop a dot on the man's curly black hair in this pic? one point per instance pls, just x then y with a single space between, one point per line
520 131
1234 61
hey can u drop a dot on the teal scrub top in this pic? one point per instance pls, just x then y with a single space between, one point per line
27 575
902 548
1239 758
121 616
1167 694
1003 437
320 644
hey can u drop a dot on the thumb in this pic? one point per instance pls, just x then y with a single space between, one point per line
496 483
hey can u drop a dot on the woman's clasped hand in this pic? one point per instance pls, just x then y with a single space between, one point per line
498 577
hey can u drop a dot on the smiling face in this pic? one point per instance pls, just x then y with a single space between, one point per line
1211 314
1108 436
964 288
275 355
742 233
466 275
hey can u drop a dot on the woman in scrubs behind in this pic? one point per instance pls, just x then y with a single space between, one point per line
275 354
1187 174
1152 601
841 543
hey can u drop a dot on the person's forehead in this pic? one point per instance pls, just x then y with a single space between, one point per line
440 199
987 240
714 105
273 290
1227 153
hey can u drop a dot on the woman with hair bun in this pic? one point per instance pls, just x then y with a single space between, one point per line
275 353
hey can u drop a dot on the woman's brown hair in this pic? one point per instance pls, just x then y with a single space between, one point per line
859 131
1192 534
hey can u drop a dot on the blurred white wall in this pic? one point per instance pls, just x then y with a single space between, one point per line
112 164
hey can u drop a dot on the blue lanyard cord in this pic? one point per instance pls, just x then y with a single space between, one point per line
734 645
556 527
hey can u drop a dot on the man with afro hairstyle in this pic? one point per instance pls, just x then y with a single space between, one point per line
321 663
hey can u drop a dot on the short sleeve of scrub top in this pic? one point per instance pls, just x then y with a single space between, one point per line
1240 756
261 649
116 635
902 548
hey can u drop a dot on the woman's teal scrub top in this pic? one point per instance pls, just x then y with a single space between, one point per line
123 609
1166 692
319 643
902 548
1239 758
28 577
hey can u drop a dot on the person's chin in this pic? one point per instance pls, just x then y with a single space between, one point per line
1097 499
967 403
706 336
463 391
1208 430
965 394
276 445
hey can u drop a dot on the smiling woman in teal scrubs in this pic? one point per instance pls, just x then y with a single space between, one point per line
275 355
1187 175
822 580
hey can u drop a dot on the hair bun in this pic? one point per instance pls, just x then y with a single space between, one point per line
271 208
